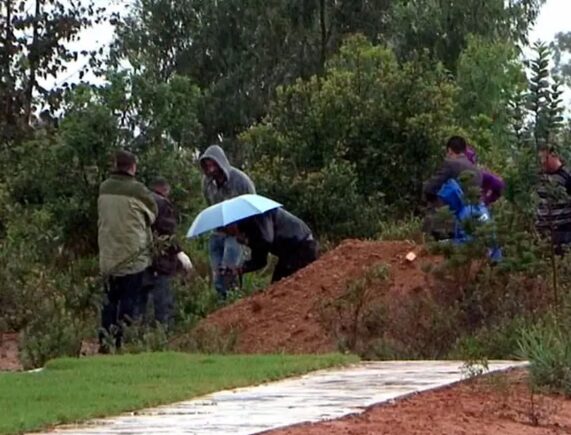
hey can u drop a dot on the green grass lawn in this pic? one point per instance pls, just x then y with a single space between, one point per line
70 390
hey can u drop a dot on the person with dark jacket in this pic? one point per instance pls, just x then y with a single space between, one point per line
126 211
455 165
222 181
168 256
553 216
280 233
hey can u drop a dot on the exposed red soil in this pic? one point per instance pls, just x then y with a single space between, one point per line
500 404
288 316
9 352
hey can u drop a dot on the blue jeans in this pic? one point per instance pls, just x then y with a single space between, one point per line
226 253
157 286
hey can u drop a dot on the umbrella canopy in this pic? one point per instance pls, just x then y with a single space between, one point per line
230 211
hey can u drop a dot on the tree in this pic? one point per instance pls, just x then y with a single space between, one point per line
490 77
545 101
443 26
561 48
34 47
379 121
239 51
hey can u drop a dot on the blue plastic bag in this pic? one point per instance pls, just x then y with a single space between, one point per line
453 196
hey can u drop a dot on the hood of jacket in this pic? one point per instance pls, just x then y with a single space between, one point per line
217 154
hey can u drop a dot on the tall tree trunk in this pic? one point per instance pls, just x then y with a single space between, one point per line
323 26
7 95
33 59
7 42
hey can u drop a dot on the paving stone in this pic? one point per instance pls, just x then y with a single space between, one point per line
317 396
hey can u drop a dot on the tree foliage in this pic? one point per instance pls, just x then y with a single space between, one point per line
443 27
339 110
367 112
34 48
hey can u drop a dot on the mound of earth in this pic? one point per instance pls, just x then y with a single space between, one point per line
295 314
9 353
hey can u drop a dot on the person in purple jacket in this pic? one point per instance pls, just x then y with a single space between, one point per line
492 185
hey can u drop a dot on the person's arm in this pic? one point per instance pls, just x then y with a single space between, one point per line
165 224
568 183
205 182
433 185
260 234
245 185
146 202
495 186
257 261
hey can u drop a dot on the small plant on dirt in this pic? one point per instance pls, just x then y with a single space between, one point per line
474 368
206 339
403 229
346 314
475 363
547 346
141 337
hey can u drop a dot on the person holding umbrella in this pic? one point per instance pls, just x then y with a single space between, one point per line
266 228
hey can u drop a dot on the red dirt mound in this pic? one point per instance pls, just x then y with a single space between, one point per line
9 353
287 317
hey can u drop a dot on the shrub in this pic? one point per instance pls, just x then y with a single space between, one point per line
547 346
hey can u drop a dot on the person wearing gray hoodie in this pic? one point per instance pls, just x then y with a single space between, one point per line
222 181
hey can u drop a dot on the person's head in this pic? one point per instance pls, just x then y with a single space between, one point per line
231 230
161 186
549 159
126 162
456 146
212 169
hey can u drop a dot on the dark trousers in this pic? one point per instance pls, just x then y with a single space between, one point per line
297 258
156 286
435 226
561 241
120 306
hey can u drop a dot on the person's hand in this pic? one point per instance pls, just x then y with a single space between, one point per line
184 261
230 271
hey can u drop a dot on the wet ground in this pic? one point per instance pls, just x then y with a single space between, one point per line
315 397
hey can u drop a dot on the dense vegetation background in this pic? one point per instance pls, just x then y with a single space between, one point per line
337 109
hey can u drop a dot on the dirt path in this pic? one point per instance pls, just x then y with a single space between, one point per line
496 405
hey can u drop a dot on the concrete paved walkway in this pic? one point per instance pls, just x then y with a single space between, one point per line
316 396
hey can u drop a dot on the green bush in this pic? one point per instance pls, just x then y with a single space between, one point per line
354 145
327 199
547 346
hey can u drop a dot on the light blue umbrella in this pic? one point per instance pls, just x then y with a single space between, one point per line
230 211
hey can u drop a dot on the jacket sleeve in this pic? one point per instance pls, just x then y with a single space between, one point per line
258 260
149 205
245 185
495 184
567 177
262 238
165 224
433 185
205 182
